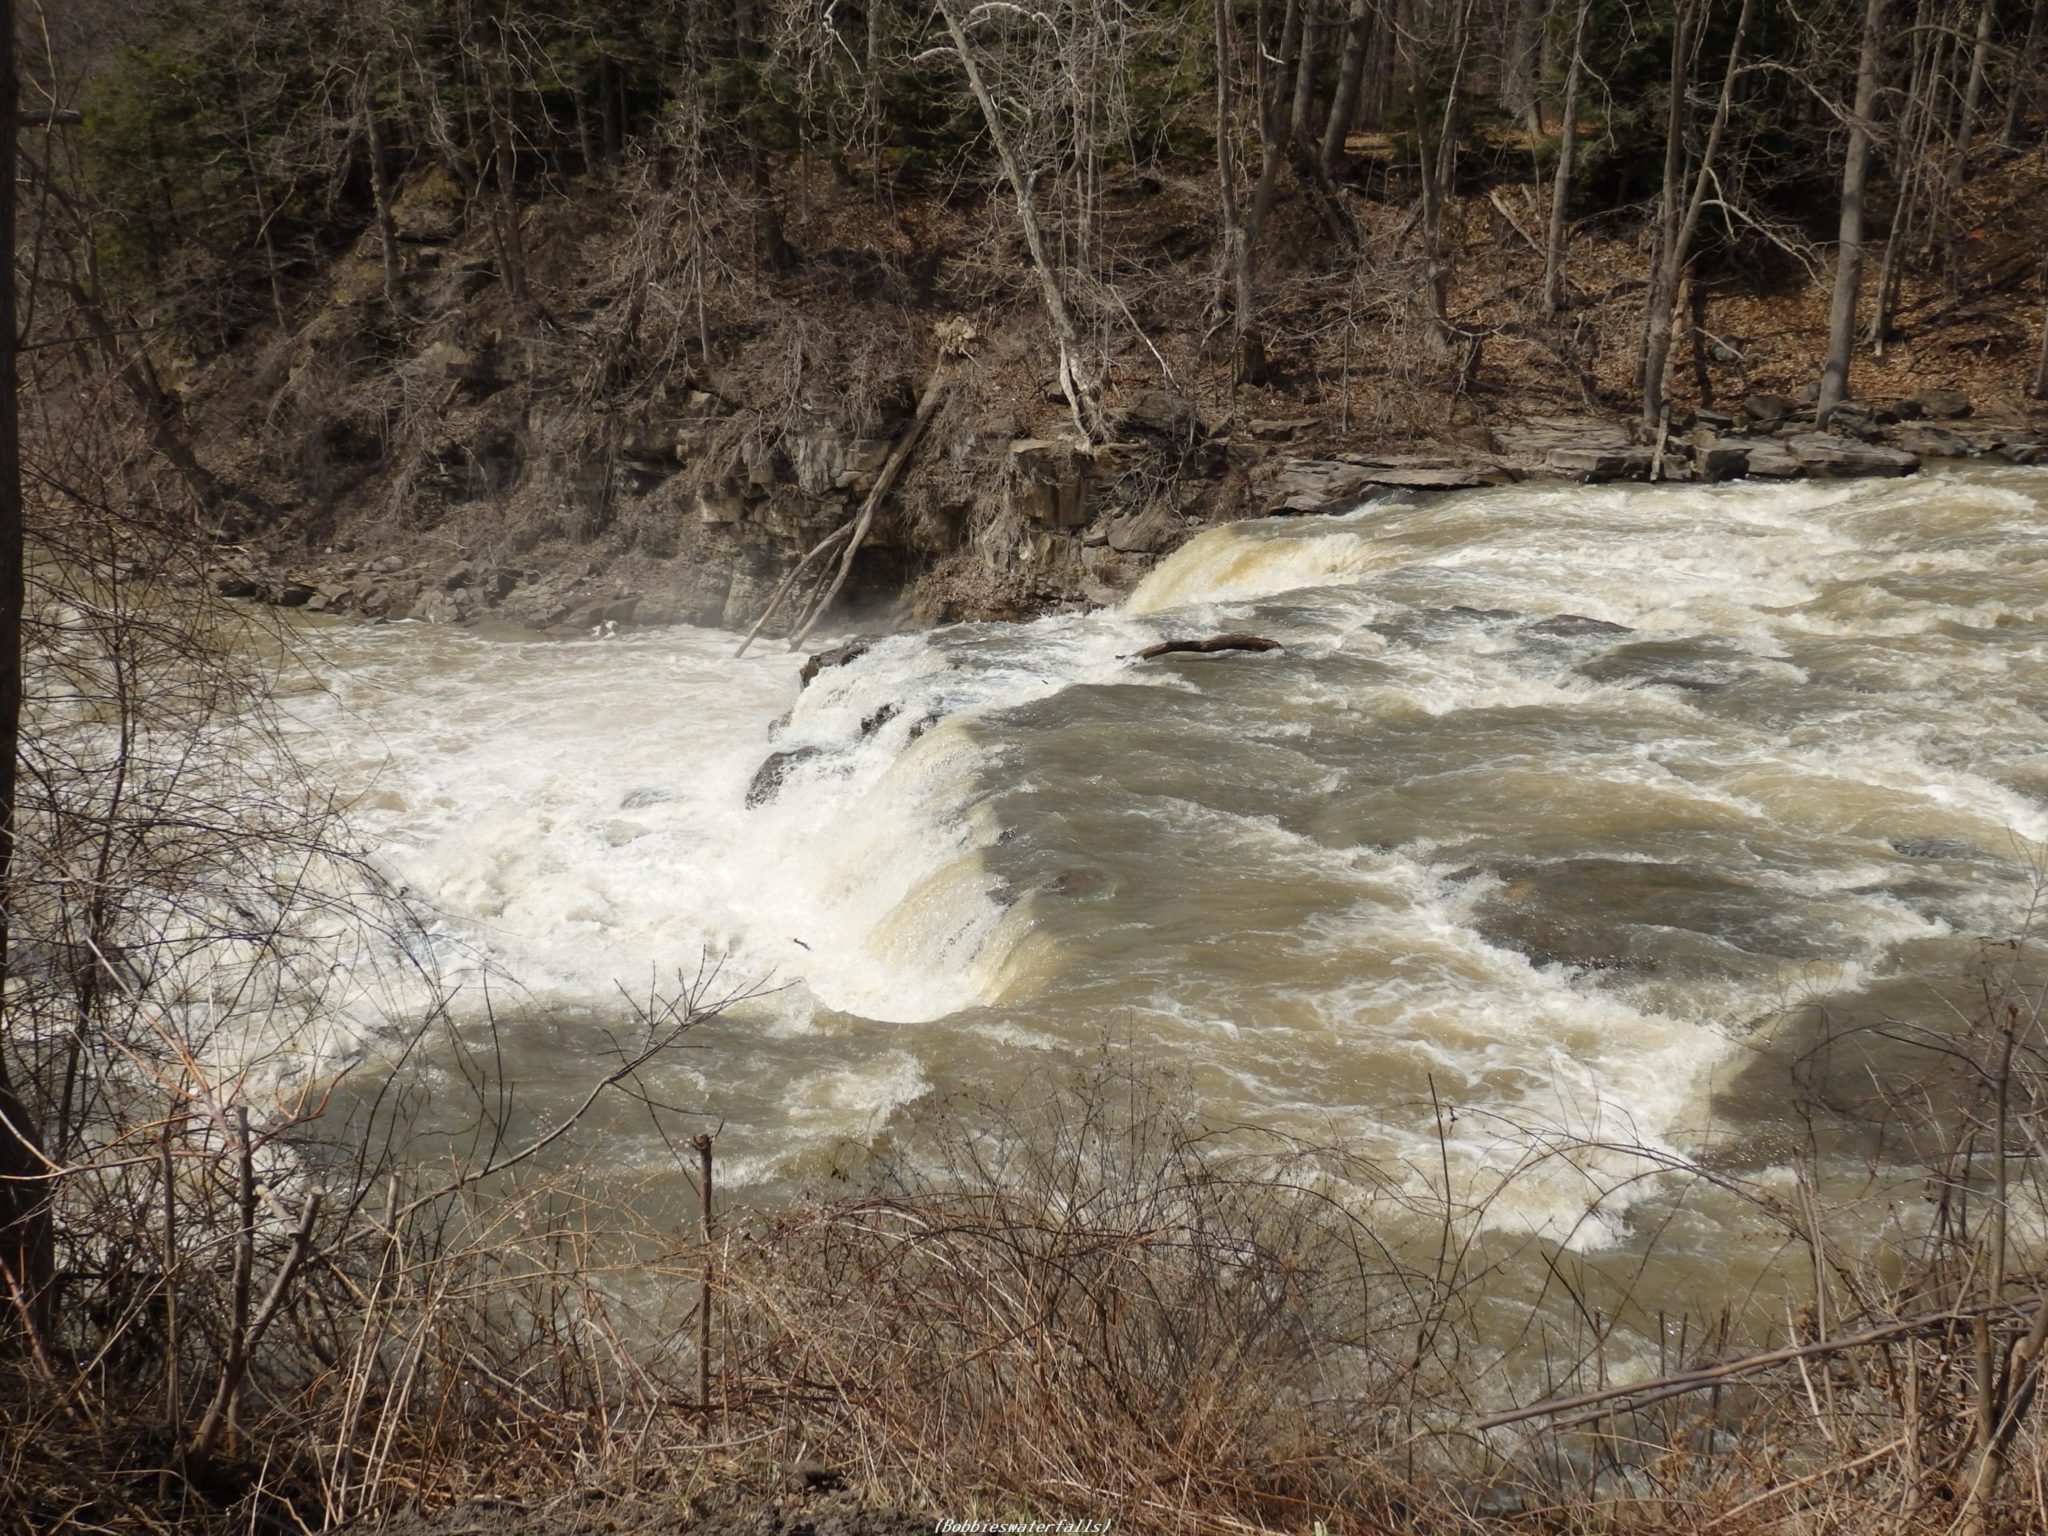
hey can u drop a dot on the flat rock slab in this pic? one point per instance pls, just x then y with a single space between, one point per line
1824 454
1304 487
1582 448
1624 462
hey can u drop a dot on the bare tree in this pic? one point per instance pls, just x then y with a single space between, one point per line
1358 34
1678 225
1834 377
1075 384
2040 382
25 1259
2026 77
1567 159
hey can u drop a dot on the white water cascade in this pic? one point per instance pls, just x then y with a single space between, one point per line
1554 804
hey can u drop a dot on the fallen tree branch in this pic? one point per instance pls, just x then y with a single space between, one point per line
775 598
1644 1393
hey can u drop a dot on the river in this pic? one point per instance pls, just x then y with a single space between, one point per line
1562 815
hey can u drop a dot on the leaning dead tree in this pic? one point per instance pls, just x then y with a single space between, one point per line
954 337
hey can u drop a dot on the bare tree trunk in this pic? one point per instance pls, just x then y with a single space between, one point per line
1959 155
1350 74
25 1238
1675 240
1834 376
2039 389
2026 78
1657 300
1916 123
1274 77
1230 272
159 410
1524 60
511 253
1567 158
885 480
1436 164
1299 127
1074 382
871 94
611 84
380 193
1973 94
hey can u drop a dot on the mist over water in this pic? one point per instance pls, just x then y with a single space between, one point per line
1556 804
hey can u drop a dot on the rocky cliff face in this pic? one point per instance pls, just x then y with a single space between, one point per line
622 447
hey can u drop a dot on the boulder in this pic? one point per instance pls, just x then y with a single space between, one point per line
1853 418
1765 459
601 612
1162 413
1215 643
295 594
440 607
774 769
1049 482
723 505
1531 446
1935 443
1282 426
1570 626
1145 533
1838 457
1717 460
838 656
1939 404
1768 410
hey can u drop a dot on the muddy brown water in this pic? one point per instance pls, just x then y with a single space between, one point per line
1564 815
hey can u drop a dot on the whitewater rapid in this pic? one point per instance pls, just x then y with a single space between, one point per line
1554 803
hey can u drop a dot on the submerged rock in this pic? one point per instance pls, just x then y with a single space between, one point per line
774 769
838 656
1570 626
1691 665
1601 914
1935 848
